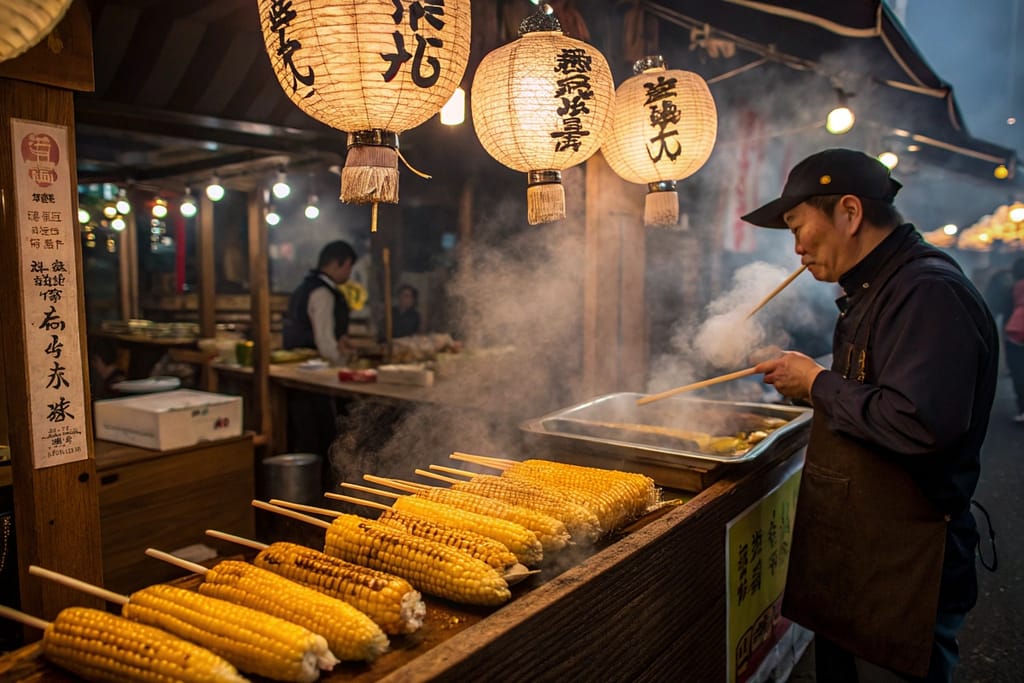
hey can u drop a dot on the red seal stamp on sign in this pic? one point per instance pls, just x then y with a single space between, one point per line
41 154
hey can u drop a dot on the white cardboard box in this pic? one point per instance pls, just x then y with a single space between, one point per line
172 419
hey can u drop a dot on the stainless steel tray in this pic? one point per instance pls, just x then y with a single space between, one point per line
582 425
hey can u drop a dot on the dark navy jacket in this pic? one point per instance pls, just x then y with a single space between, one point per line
298 329
929 382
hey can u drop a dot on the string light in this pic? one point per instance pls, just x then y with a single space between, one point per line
841 119
109 211
312 209
272 217
950 229
215 191
83 216
889 159
281 188
1001 172
160 208
1017 213
123 206
118 224
188 204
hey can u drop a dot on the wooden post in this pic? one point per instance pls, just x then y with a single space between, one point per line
128 270
207 273
259 295
614 316
56 507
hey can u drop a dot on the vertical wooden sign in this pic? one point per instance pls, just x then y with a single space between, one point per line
47 229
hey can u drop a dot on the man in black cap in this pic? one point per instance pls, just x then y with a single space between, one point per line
882 558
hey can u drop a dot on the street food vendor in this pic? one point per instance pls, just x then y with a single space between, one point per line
882 559
317 314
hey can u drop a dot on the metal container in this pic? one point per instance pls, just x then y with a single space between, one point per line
295 477
610 431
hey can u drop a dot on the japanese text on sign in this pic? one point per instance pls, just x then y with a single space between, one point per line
420 16
663 114
757 557
575 93
49 293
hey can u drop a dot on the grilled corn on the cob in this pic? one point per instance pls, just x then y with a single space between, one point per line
253 641
99 646
479 546
389 600
431 567
350 634
550 532
523 543
581 523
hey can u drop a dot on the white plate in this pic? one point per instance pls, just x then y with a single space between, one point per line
312 364
149 385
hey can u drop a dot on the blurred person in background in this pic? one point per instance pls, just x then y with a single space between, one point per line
104 372
317 315
882 560
1014 334
405 319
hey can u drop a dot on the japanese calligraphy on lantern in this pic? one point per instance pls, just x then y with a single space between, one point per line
421 17
757 556
575 92
664 116
46 228
280 16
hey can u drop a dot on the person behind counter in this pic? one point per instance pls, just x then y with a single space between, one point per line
881 563
405 319
317 315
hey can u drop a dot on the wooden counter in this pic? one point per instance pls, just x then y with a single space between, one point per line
166 500
649 607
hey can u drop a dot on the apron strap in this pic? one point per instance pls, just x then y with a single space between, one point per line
991 539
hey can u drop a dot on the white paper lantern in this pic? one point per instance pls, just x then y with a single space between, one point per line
665 128
542 104
23 23
372 68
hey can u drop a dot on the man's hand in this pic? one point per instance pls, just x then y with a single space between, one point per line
792 374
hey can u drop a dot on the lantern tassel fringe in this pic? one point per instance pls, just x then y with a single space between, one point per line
370 175
545 203
661 208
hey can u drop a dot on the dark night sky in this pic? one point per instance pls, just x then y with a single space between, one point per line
978 47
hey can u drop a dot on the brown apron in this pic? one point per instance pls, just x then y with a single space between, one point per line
867 550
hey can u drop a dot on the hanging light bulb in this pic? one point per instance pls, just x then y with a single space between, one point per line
889 159
188 206
118 224
123 206
160 208
83 216
841 119
281 188
272 217
109 210
1001 172
950 229
215 191
111 245
312 209
454 111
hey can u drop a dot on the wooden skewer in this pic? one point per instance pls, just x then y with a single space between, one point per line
305 508
291 513
792 276
454 470
247 542
357 501
696 385
438 477
367 489
71 582
22 618
177 561
495 463
401 485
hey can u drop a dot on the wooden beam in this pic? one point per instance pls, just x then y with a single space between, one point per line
207 272
56 508
259 295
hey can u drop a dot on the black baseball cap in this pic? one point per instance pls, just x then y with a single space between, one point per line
833 171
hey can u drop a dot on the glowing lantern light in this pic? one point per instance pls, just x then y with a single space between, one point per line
665 128
542 104
372 68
